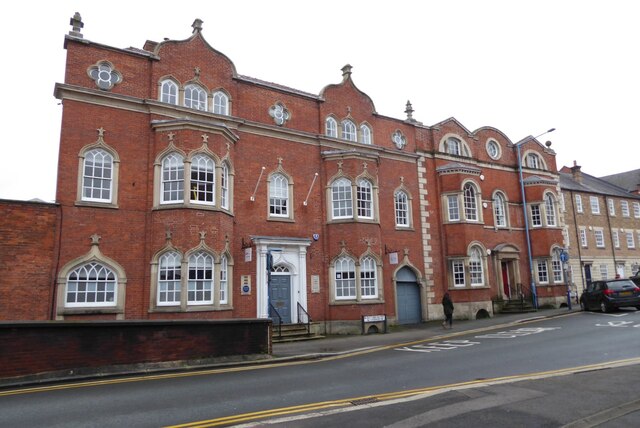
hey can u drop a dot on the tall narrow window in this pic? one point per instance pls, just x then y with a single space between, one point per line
402 209
599 235
169 279
97 176
556 267
616 238
612 207
341 200
331 127
200 288
453 208
624 207
543 272
224 186
169 92
220 103
550 209
636 209
195 97
470 203
91 285
536 215
595 204
630 240
349 131
368 283
279 196
172 179
579 207
499 210
476 272
345 271
224 281
202 180
365 199
583 237
457 269
365 134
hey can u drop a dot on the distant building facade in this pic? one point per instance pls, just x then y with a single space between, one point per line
187 190
602 227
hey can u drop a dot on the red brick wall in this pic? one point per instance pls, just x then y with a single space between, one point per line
37 348
28 251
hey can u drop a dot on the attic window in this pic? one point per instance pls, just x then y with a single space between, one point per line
105 75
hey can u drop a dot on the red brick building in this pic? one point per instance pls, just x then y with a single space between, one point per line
187 190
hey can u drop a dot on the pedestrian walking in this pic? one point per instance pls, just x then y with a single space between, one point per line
447 306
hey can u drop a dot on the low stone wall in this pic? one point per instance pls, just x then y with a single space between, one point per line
63 349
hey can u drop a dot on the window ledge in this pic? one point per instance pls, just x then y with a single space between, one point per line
405 229
90 311
212 208
281 219
94 204
188 309
357 302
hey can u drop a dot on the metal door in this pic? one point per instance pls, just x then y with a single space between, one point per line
280 297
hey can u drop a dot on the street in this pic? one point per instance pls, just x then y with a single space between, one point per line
469 372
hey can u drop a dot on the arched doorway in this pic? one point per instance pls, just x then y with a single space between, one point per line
408 297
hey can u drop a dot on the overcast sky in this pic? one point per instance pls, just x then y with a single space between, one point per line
519 66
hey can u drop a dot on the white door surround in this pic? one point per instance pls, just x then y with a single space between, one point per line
286 251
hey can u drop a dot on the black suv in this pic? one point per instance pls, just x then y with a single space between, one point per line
610 294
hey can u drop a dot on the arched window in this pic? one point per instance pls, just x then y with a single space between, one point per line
453 146
169 279
224 186
220 103
368 282
279 196
365 199
331 127
195 97
169 92
202 180
402 209
533 161
349 131
91 285
345 280
550 209
365 134
172 179
470 203
97 176
341 199
200 288
476 271
500 210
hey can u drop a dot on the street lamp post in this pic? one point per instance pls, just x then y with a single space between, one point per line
534 296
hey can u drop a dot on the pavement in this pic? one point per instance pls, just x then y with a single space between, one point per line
339 344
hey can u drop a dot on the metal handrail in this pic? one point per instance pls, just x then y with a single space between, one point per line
274 311
301 312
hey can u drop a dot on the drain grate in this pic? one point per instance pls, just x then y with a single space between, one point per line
364 401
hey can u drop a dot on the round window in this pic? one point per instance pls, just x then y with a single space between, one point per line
493 149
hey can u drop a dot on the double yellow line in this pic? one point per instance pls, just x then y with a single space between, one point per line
324 405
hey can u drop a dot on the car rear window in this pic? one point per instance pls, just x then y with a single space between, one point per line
620 285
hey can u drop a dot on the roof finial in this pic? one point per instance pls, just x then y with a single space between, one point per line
76 25
346 72
197 25
409 110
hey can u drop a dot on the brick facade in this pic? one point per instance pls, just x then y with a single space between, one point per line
341 248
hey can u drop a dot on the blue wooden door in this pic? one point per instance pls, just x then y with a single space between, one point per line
280 297
409 308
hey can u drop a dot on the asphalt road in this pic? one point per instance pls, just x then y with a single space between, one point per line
470 372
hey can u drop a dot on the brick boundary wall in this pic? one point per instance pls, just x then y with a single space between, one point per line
34 351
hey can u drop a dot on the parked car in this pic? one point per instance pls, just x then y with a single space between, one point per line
606 295
636 280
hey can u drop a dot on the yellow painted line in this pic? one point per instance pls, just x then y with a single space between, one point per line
252 416
141 378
